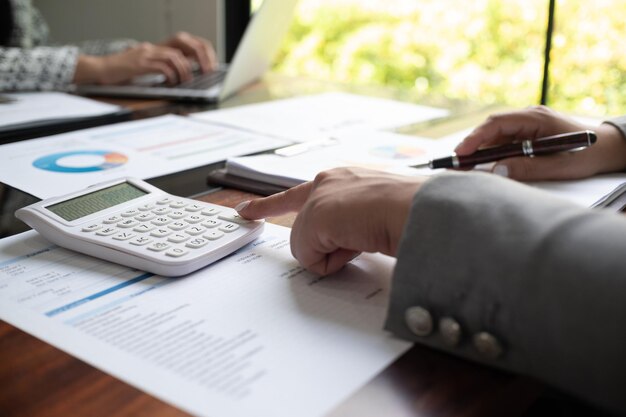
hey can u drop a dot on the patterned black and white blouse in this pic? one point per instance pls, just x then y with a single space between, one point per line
29 62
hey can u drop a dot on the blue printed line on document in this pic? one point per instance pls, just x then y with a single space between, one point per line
73 321
97 295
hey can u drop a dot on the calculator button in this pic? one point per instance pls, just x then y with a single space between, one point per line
158 246
210 211
178 214
160 221
233 217
165 200
112 219
193 219
195 230
211 223
193 208
144 217
107 231
179 204
229 227
124 236
140 241
176 252
213 235
161 232
130 213
92 227
178 238
146 207
161 211
197 242
128 223
178 225
143 228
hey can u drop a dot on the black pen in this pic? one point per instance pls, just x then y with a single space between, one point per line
541 146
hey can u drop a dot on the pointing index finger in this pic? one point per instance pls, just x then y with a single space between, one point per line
284 202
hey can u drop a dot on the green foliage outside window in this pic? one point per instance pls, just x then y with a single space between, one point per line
487 51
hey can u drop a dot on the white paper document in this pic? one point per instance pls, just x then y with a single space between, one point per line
320 116
383 151
251 335
34 108
60 164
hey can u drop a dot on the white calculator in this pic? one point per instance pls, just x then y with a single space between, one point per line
133 223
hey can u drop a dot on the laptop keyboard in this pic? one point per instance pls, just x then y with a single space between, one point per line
203 81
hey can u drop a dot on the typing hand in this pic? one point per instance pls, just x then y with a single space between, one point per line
342 213
173 59
144 58
607 155
195 48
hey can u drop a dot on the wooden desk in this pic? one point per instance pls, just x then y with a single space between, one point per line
37 379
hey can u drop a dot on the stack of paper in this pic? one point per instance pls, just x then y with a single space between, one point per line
321 116
375 150
25 110
149 148
251 335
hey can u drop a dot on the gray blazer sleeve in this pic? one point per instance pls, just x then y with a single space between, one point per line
500 273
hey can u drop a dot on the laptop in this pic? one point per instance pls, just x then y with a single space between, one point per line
253 56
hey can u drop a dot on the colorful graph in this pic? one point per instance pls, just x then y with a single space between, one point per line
75 162
397 151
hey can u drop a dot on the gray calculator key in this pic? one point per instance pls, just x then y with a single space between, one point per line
233 217
161 232
128 223
164 200
130 213
92 227
197 242
195 230
210 211
124 236
178 238
176 252
160 221
213 234
193 219
211 223
178 225
178 214
194 208
143 228
140 241
179 204
161 211
112 219
158 246
107 231
229 227
144 217
146 207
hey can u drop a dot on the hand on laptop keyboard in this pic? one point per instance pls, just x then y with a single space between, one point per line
172 60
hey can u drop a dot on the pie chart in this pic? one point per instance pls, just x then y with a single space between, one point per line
76 162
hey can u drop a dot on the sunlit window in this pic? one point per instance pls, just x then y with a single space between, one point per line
485 51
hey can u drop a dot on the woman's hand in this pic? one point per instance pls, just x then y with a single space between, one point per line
343 212
194 48
173 59
608 154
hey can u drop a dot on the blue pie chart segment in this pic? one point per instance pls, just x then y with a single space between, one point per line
75 162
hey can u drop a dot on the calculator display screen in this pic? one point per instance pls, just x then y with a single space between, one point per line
91 203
